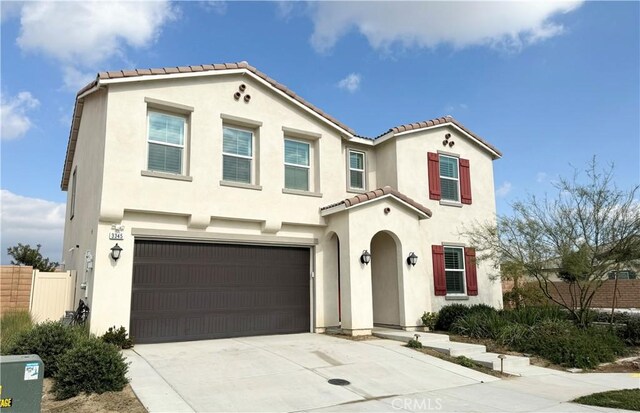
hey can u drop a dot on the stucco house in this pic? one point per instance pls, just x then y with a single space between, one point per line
238 208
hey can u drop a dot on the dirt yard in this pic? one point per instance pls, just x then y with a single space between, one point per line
110 402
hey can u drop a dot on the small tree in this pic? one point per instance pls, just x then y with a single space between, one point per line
25 255
588 230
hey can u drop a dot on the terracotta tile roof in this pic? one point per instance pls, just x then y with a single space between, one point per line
435 122
378 193
118 74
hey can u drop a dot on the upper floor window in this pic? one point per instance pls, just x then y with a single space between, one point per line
296 164
356 170
237 155
166 140
449 178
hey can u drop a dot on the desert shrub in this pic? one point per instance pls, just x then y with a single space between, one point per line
48 340
449 314
563 343
12 324
91 366
480 324
430 320
117 337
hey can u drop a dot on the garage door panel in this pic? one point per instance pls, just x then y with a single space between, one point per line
190 291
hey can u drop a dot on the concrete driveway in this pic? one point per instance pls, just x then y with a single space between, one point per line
291 372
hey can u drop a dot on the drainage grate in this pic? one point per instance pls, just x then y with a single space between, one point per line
339 382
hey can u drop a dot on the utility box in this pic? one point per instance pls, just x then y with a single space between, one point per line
21 383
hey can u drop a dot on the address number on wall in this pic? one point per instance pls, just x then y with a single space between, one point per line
119 236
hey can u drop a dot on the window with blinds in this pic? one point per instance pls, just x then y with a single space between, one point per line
454 269
296 164
237 155
449 178
166 137
356 170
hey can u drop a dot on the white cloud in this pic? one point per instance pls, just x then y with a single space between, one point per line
83 35
449 109
351 83
504 189
15 120
9 10
31 221
427 24
216 6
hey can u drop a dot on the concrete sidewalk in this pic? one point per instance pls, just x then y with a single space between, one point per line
290 373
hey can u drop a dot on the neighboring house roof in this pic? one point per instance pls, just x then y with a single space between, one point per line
373 195
161 73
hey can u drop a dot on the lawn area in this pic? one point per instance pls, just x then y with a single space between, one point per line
13 323
616 399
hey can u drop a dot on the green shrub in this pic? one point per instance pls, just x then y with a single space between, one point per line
91 366
449 314
514 335
430 320
465 361
117 337
482 308
563 343
414 343
12 324
48 340
632 333
531 316
479 324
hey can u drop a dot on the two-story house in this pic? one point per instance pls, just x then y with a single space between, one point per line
238 208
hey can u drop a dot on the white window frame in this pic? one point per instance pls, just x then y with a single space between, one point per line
308 167
74 177
463 271
234 155
183 160
440 156
363 170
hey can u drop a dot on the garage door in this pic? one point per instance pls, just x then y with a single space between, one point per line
193 291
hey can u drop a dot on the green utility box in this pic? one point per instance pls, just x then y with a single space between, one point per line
21 383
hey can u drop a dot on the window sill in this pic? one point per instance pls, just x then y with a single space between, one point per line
356 191
303 193
451 203
165 175
241 185
456 297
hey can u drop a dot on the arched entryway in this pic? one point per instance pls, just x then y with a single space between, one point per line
384 280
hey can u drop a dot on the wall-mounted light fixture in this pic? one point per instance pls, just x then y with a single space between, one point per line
412 259
115 252
365 258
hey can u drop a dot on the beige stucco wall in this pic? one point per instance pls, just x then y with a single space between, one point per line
82 229
204 209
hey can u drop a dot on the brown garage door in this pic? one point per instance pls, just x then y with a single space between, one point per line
193 291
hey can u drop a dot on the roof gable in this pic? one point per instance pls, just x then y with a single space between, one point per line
376 195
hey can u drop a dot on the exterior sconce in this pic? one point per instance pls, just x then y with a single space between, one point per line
115 252
365 258
412 259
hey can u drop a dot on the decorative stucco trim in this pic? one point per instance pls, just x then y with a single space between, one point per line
302 134
169 106
241 185
163 175
219 237
450 203
237 120
303 193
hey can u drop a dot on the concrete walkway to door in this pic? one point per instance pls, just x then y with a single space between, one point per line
290 373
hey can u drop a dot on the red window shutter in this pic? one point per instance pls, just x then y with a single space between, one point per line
434 175
465 182
472 275
439 278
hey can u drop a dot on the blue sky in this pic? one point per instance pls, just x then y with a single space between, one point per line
549 84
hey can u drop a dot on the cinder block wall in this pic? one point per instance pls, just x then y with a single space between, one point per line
627 294
15 287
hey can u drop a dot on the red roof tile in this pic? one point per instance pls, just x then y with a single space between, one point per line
377 193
